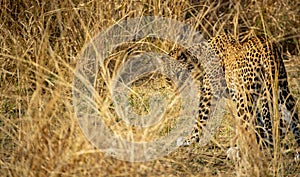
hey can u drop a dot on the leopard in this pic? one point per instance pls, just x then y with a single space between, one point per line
255 80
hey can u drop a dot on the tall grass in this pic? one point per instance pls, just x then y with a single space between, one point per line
40 43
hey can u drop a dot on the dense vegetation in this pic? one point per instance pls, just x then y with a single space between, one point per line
40 42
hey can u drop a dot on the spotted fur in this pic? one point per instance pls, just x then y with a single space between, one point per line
256 80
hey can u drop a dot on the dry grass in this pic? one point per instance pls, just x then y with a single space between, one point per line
40 42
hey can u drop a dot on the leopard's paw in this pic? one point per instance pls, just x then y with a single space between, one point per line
233 153
182 142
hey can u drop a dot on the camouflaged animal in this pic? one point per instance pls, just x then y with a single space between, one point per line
255 76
